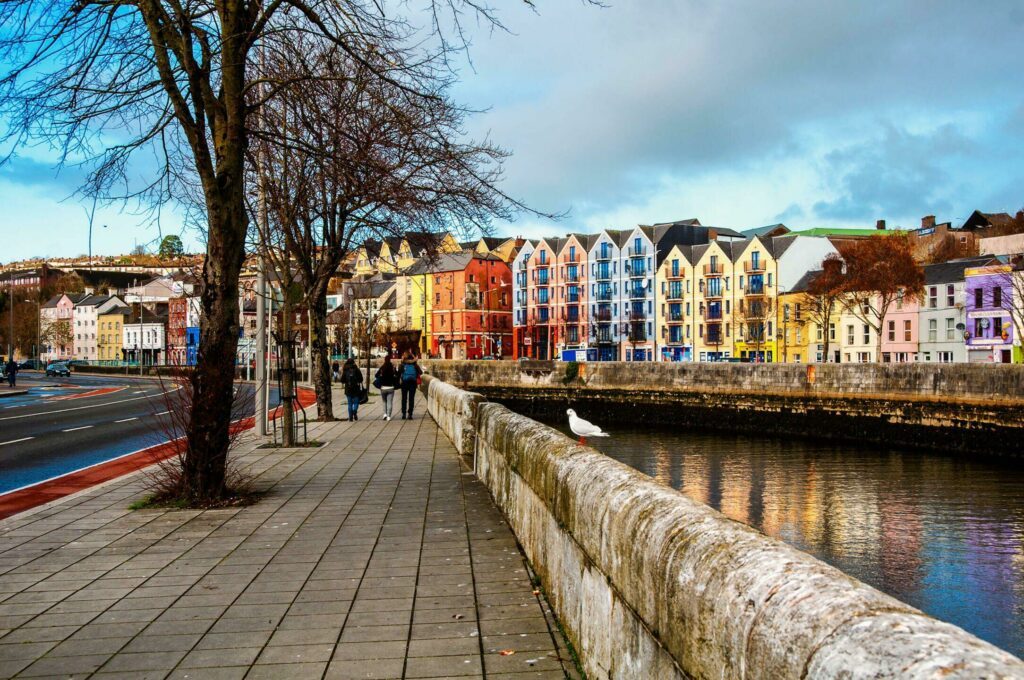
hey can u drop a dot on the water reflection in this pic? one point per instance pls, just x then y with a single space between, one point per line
943 534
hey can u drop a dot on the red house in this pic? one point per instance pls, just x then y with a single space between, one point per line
472 306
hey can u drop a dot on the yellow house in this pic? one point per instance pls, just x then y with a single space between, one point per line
713 301
810 333
675 311
505 248
755 301
109 334
415 287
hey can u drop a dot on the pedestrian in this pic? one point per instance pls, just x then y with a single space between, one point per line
410 375
352 379
336 372
386 380
12 372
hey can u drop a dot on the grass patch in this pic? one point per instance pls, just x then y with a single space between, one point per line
311 444
232 500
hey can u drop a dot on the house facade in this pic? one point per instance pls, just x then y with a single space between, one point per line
520 308
472 306
988 299
109 339
56 327
942 318
86 319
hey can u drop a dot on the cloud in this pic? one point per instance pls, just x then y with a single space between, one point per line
898 173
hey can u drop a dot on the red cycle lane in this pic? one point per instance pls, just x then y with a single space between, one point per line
20 500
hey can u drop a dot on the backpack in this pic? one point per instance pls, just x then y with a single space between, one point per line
409 371
353 379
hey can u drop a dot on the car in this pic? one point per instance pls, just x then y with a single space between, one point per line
58 368
28 364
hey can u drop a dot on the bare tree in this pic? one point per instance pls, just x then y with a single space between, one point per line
880 270
823 298
174 80
755 314
364 157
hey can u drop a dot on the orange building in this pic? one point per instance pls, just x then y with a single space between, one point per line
471 314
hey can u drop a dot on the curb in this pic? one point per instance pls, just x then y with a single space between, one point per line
12 393
47 491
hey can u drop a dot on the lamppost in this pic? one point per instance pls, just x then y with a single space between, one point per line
39 333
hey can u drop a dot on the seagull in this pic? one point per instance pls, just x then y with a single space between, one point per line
583 428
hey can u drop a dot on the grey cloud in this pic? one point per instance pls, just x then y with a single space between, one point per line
899 173
28 172
618 96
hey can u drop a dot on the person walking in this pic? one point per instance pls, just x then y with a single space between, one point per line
410 376
12 372
352 379
335 372
386 380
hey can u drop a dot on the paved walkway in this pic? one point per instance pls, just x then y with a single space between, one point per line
378 555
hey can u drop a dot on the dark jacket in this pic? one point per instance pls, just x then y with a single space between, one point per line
388 376
352 379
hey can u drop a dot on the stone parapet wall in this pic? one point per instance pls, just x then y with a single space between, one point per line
650 584
948 381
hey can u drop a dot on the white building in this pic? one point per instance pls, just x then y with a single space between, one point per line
86 312
144 338
942 310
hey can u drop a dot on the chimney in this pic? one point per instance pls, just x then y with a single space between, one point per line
928 221
880 225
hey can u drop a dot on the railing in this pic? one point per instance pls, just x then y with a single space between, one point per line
713 317
603 274
675 317
603 256
674 294
569 259
712 294
604 296
636 271
634 315
750 266
572 278
714 269
751 291
675 274
573 299
603 315
638 252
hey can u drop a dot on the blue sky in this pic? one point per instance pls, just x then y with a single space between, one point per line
739 113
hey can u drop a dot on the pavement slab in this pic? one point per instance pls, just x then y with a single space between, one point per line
376 555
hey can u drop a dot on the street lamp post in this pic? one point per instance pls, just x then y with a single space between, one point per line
39 357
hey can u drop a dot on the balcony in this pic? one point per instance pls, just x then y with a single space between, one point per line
714 269
637 334
603 315
638 252
570 259
572 278
636 271
712 293
713 339
712 316
675 274
604 296
674 294
573 299
603 274
752 267
603 255
637 315
637 293
675 317
751 291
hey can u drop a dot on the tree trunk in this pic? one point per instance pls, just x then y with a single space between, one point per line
319 357
208 434
285 372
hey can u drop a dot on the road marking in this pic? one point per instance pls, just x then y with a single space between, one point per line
79 408
75 429
125 420
15 441
161 414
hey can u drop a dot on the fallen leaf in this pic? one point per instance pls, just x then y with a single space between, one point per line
507 652
536 592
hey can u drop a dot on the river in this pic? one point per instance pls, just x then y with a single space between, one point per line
941 533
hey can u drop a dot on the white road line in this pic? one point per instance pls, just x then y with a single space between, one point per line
79 408
75 429
125 420
15 441
161 414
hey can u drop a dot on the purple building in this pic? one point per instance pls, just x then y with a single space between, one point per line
988 293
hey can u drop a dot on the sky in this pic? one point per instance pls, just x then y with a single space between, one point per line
738 113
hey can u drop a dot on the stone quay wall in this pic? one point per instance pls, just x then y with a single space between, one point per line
650 584
971 409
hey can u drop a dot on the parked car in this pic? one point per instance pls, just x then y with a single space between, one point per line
58 368
28 364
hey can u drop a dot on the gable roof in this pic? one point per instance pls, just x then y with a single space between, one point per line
953 271
766 231
980 219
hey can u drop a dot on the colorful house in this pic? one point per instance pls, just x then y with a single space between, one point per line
520 307
472 306
989 299
56 326
109 345
674 311
900 331
569 298
942 318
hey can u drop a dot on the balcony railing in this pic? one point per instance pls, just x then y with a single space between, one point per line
603 274
712 317
675 274
675 294
636 315
751 291
712 293
637 293
753 267
714 269
569 259
572 278
636 271
603 315
604 296
675 317
603 256
638 252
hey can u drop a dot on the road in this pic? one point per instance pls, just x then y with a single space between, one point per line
65 424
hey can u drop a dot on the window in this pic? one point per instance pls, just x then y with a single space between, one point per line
933 297
950 295
849 334
867 334
543 257
899 299
997 297
933 330
906 331
950 328
978 330
675 267
997 326
979 300
892 332
945 357
832 332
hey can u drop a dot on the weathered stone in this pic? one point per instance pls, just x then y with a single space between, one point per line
649 583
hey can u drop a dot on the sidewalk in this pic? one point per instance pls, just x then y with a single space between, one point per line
378 555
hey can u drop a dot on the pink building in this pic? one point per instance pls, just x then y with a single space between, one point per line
540 327
569 295
900 332
56 327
